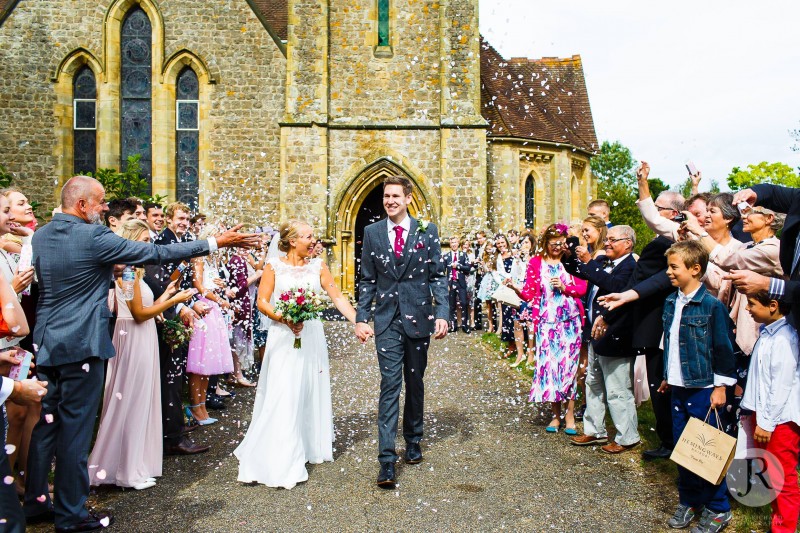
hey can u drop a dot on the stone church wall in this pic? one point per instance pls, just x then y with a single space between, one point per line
241 124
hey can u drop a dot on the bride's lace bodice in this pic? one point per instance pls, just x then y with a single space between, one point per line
293 277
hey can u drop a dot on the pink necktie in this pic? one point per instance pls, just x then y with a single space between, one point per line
454 266
398 241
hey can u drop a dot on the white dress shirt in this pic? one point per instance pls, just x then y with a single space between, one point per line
595 289
773 379
6 389
674 375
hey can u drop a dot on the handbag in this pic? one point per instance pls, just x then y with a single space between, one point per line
506 295
704 449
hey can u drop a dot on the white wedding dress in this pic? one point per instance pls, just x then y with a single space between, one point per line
292 420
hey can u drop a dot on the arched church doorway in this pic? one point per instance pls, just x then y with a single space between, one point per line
371 210
361 204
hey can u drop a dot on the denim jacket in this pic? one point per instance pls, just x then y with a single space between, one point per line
705 339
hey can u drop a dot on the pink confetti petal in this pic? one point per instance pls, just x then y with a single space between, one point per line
85 367
10 448
105 521
8 480
48 418
101 474
118 395
41 498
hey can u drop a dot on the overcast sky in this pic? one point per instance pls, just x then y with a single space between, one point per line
716 82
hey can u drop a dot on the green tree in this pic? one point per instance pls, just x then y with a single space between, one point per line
777 173
686 188
615 169
119 185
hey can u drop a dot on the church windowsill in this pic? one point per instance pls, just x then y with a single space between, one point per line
384 51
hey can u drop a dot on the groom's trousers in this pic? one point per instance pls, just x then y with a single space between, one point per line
400 358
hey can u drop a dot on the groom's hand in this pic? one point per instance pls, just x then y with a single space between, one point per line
441 328
364 331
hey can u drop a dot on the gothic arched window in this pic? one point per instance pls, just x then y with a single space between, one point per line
383 22
187 138
84 122
530 202
136 78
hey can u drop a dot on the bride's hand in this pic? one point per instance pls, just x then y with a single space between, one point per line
295 327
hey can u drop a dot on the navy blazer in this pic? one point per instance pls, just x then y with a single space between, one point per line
650 281
785 200
408 286
463 266
617 340
74 262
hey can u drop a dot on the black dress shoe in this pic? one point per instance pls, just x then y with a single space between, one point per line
413 453
41 518
386 477
215 403
185 430
94 522
186 447
478 326
465 329
659 453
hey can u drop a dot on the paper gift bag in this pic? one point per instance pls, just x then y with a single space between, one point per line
507 296
704 449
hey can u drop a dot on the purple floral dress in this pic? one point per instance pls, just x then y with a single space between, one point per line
558 341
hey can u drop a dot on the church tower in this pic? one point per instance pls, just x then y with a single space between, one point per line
378 87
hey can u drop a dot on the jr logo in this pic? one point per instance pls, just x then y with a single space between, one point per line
757 480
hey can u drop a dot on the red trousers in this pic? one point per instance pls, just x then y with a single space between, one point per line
785 445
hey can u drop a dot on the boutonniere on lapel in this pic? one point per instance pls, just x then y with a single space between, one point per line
422 226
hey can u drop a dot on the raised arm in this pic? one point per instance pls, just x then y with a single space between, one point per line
168 299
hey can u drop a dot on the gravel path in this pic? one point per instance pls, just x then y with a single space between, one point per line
488 465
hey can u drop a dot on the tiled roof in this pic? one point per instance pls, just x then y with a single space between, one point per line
275 12
537 99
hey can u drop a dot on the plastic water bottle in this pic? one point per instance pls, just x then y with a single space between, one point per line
128 280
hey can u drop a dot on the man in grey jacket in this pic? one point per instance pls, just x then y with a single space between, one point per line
74 257
402 270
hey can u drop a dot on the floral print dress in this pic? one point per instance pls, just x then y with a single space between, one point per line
558 340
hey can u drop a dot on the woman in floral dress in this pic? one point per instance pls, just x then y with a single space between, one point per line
557 316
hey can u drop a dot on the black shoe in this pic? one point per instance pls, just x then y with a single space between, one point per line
478 326
451 329
413 453
215 403
94 522
47 517
186 447
386 477
465 329
661 452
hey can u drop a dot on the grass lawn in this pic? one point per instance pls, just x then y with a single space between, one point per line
745 519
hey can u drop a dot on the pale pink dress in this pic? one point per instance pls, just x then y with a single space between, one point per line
129 442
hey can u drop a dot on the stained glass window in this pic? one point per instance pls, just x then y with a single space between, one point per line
530 202
136 75
383 22
187 138
84 127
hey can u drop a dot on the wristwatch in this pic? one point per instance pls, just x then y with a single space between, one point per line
703 235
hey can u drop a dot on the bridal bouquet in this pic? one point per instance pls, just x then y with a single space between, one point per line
298 305
176 334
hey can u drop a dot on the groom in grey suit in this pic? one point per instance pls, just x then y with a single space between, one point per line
402 270
74 258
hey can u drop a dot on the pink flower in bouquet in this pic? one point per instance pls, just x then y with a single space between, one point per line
285 297
300 300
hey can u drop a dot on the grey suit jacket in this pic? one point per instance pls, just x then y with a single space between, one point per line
74 262
416 283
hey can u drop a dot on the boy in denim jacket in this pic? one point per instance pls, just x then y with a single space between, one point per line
699 364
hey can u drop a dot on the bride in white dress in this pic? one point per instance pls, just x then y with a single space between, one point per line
292 420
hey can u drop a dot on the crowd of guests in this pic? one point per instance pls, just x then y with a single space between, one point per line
156 392
707 306
704 309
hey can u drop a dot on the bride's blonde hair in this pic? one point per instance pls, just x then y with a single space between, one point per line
289 230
